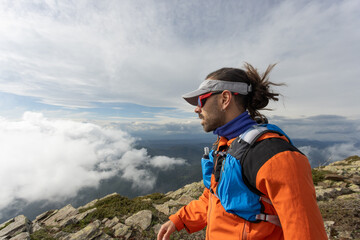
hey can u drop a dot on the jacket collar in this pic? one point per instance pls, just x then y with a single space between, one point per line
235 127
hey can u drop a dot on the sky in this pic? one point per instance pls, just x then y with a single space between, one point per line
82 81
132 60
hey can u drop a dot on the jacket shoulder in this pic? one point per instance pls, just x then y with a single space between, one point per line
261 152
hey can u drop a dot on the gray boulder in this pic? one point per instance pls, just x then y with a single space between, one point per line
91 231
111 223
121 230
21 236
141 219
15 226
83 215
63 217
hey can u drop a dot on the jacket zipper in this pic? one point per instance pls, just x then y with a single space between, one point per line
245 232
211 193
208 222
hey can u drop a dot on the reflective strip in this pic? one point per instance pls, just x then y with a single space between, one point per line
274 219
249 136
266 200
269 218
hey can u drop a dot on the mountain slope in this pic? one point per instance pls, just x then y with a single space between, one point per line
118 217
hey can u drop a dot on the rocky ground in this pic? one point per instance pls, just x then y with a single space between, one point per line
117 217
338 195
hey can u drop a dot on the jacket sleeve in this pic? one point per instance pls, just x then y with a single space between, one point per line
287 181
192 217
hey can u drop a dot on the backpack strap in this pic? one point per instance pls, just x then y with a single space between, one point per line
274 219
241 147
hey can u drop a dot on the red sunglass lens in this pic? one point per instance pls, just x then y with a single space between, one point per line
202 99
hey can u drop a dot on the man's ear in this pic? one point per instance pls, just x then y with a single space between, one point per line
225 99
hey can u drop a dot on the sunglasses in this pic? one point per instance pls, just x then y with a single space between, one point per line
202 99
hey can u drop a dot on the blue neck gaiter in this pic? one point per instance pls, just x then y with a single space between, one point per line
236 126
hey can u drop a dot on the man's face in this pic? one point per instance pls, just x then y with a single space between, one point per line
210 114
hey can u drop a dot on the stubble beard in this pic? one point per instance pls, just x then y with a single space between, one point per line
212 120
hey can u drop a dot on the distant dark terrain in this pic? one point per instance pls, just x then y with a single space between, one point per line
191 150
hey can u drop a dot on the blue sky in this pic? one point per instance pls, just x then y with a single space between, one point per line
132 60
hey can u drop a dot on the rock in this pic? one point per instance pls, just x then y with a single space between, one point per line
323 184
91 231
93 202
21 236
15 226
110 195
2 226
355 180
329 227
347 167
334 177
121 230
193 190
340 184
36 227
349 196
174 210
157 228
88 205
61 235
324 194
141 219
104 236
185 200
104 220
111 223
345 235
354 188
83 215
338 193
62 218
172 206
164 208
42 217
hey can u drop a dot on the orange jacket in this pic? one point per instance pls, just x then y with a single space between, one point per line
286 180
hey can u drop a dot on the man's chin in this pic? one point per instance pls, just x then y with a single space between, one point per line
207 128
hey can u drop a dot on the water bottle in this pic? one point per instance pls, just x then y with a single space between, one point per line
206 153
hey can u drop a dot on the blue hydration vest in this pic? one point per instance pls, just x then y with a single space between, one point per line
235 195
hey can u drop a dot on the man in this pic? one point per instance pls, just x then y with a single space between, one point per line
257 184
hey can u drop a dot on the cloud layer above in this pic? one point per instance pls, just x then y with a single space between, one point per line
43 159
322 138
78 54
336 152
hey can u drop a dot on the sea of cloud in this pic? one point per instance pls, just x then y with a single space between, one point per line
335 152
47 159
323 138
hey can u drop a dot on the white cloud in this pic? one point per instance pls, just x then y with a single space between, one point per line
164 162
341 151
333 153
75 53
326 128
45 159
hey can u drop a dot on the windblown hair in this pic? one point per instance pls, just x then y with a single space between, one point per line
261 93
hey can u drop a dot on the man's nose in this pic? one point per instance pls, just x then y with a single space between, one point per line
197 109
